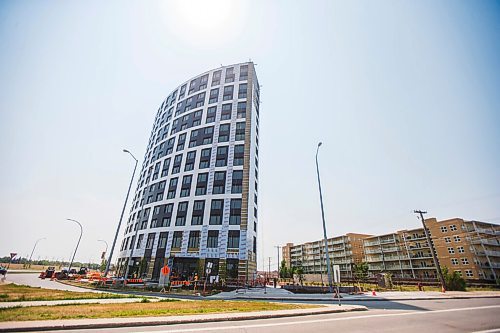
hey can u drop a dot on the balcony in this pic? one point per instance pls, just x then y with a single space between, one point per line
390 249
488 231
373 250
486 241
492 253
371 243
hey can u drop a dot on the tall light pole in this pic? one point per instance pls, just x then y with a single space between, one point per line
78 243
34 249
278 247
330 280
121 216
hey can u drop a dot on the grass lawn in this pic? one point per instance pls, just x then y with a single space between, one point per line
164 308
14 293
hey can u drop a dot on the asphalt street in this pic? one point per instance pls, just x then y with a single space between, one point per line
423 316
467 315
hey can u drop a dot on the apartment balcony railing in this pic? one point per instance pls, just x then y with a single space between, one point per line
486 241
371 243
376 250
488 231
390 249
492 253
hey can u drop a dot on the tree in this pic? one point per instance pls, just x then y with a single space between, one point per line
299 272
453 281
360 273
284 272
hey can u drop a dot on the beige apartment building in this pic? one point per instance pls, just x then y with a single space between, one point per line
344 251
471 248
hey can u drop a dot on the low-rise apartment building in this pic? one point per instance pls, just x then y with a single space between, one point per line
344 251
471 248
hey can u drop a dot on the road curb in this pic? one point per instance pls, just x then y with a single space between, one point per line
157 321
374 299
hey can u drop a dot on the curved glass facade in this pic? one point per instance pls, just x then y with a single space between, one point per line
197 193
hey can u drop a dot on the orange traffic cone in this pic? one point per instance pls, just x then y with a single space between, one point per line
374 293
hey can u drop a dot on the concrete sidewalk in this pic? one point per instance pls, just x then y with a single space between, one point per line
278 294
4 305
23 326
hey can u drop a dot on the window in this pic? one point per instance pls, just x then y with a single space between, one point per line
243 72
201 185
198 211
456 239
181 213
447 239
177 239
465 261
242 91
226 112
219 182
150 241
451 250
213 239
166 222
237 182
241 110
233 239
229 75
460 249
240 131
459 272
194 239
235 212
221 156
205 158
216 78
211 114
444 229
469 273
162 241
139 241
186 185
214 96
216 212
228 93
454 261
453 227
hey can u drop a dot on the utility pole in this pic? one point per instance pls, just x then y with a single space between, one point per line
278 247
269 268
433 250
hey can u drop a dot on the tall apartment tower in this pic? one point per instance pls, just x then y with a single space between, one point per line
197 193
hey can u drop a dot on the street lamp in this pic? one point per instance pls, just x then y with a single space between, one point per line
34 249
330 280
78 243
121 216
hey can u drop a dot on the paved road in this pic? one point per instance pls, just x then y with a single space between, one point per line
466 315
31 279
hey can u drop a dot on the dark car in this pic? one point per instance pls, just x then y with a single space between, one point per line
3 270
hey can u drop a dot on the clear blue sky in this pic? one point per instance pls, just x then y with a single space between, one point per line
403 94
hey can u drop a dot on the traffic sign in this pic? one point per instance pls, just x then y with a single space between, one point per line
165 270
12 255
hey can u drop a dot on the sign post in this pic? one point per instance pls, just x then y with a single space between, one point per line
164 277
207 273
